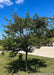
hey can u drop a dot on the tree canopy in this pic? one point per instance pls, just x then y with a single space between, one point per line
26 33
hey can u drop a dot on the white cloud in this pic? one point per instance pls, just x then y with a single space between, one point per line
19 1
5 2
1 1
9 2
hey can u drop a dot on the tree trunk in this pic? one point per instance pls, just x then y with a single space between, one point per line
26 61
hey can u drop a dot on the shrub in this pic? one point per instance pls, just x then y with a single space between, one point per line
20 56
2 52
12 54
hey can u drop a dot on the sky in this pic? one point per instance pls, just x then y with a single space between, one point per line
40 7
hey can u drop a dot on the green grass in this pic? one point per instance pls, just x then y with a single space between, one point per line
4 60
52 39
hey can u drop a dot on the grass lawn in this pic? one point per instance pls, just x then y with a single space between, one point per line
52 39
45 65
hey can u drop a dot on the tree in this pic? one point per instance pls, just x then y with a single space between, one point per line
8 43
50 32
28 32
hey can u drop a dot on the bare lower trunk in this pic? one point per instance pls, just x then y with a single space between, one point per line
26 61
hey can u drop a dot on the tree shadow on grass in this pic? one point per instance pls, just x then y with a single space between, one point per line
19 65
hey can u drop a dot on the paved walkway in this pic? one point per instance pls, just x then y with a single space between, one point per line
43 51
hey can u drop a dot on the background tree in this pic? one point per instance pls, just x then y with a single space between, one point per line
50 32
